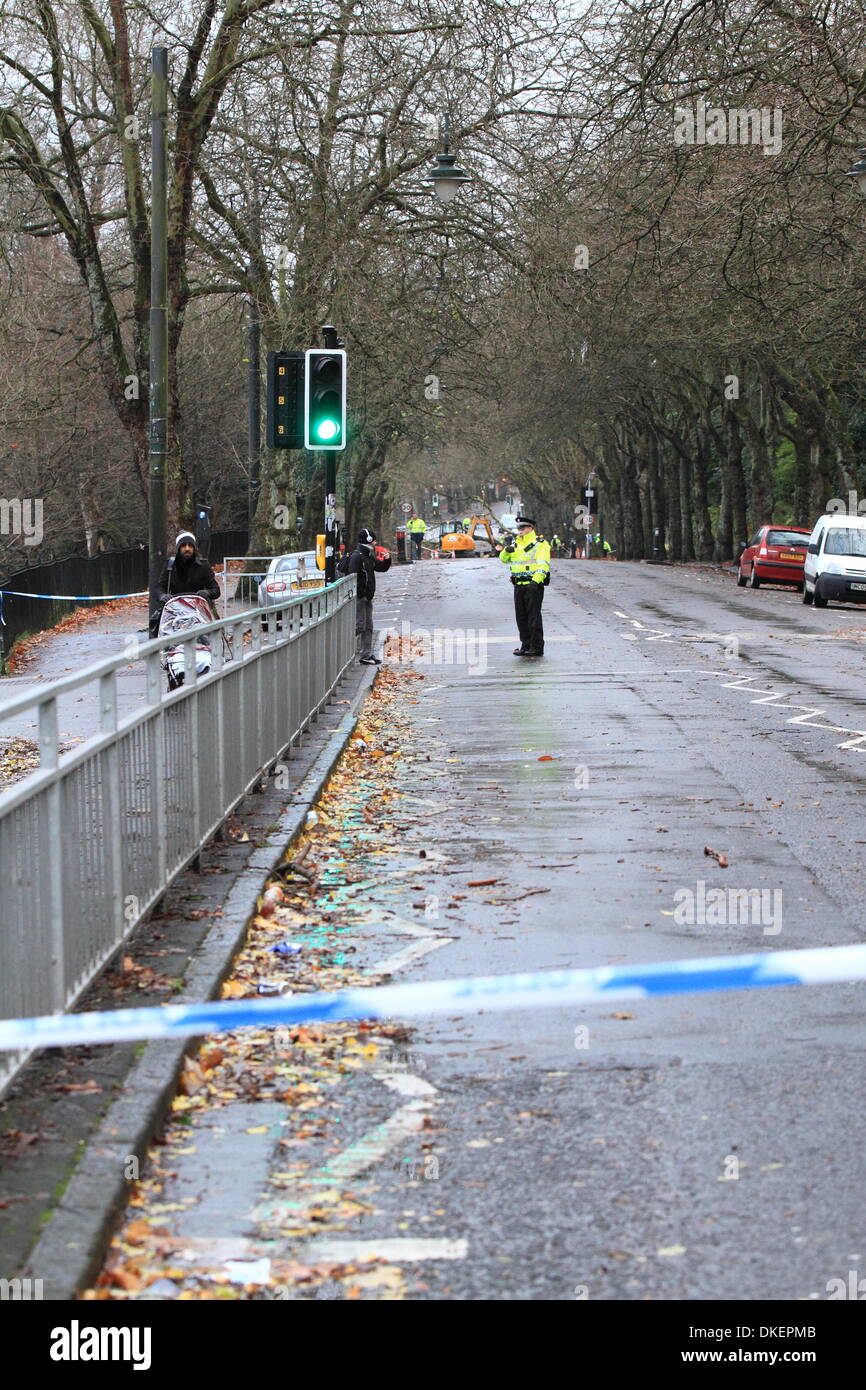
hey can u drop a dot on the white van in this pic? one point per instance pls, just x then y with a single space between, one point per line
835 565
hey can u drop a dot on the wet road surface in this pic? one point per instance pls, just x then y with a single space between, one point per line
682 1148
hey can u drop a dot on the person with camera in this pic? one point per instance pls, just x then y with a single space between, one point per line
528 557
365 560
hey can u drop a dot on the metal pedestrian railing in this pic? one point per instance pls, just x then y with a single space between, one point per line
91 840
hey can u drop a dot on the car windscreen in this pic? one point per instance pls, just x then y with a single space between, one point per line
845 540
787 538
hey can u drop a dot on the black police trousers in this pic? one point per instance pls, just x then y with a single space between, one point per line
527 611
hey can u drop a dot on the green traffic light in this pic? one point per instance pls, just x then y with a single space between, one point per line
327 429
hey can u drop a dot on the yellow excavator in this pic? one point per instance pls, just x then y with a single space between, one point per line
462 542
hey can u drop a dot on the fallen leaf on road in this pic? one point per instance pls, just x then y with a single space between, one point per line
481 882
667 1250
622 1015
233 989
722 859
137 1232
388 1276
192 1077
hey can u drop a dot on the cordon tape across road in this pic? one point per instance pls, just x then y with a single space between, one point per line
821 965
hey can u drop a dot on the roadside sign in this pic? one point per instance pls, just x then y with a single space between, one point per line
406 507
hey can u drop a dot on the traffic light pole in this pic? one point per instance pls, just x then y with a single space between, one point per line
330 516
331 340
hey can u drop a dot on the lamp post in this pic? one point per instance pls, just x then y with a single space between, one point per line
446 176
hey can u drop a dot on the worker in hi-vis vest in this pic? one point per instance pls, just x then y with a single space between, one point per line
528 558
416 528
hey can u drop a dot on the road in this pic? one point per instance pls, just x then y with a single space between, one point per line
685 1148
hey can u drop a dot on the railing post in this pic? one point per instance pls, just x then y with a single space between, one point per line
49 757
191 679
110 787
158 788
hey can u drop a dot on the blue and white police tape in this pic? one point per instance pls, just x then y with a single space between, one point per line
545 989
76 598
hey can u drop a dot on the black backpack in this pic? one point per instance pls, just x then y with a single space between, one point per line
343 565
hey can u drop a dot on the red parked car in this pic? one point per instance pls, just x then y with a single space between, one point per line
774 555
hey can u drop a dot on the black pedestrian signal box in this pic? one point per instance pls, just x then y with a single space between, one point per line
285 400
325 398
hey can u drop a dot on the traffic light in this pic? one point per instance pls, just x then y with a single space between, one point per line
285 400
325 398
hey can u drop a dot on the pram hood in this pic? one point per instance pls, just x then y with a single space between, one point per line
183 612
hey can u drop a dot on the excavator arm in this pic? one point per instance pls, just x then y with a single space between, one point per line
485 522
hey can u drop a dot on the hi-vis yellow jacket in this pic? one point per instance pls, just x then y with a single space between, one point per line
529 559
417 525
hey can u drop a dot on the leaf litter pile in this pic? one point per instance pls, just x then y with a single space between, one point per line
18 757
297 942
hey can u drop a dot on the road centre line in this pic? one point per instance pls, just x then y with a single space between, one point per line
764 696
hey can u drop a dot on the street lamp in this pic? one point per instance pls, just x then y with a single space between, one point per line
858 172
446 175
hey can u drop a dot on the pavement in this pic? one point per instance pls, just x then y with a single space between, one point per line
688 1148
67 1108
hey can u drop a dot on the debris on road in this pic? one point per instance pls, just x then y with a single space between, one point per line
721 859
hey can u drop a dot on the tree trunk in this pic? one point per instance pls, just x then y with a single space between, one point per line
675 519
632 511
761 508
703 525
656 511
736 480
682 484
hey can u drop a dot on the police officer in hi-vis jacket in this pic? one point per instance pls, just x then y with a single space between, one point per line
528 558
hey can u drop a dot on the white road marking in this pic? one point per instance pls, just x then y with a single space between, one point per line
213 1250
376 1143
400 1250
807 718
410 954
776 698
370 917
763 696
405 1084
292 1203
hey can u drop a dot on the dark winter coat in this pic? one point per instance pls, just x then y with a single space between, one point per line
364 564
194 577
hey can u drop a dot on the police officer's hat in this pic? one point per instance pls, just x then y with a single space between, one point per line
524 521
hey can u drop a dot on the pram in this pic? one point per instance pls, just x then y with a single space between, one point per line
181 613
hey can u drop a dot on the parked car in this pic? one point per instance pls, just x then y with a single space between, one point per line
285 575
774 555
836 560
